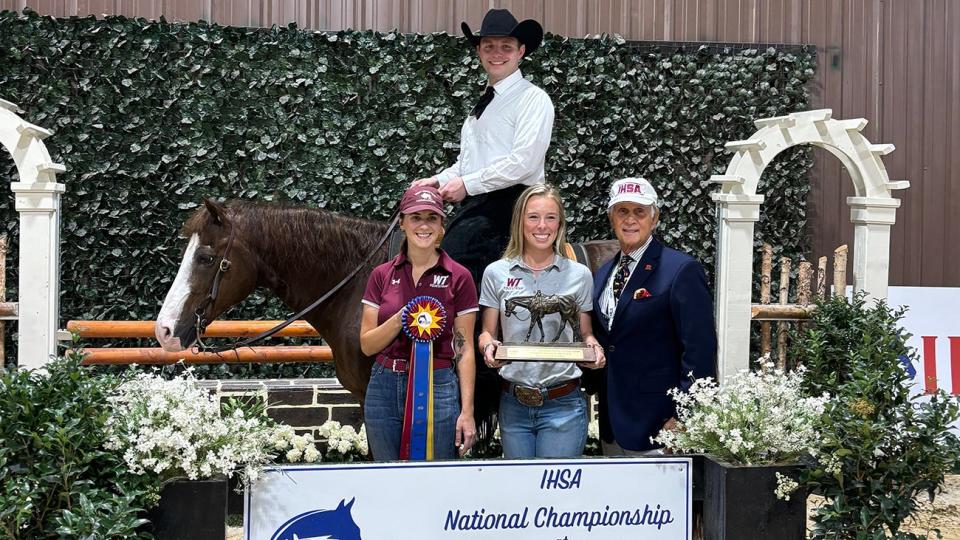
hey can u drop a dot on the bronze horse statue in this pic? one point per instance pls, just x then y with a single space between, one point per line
298 254
540 305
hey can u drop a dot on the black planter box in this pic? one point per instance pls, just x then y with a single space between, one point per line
190 510
739 502
235 496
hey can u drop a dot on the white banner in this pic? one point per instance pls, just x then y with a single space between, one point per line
530 500
932 320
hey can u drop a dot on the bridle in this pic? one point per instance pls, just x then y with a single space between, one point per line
201 323
511 310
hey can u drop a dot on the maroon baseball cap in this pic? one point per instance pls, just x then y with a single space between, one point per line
418 198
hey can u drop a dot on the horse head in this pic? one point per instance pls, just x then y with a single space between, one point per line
215 273
510 308
337 523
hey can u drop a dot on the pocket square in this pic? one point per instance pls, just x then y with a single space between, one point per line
640 294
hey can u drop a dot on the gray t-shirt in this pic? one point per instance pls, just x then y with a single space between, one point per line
510 278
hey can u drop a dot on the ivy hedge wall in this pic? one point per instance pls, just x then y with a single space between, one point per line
151 116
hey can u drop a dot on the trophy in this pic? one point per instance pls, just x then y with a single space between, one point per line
539 305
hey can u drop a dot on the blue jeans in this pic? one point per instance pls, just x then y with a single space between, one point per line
557 429
383 412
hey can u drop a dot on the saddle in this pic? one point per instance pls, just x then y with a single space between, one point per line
577 253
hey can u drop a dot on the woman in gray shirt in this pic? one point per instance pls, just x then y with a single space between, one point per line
543 412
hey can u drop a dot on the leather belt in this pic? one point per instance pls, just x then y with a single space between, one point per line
532 396
402 365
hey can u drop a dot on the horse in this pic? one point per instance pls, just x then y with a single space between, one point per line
540 305
298 254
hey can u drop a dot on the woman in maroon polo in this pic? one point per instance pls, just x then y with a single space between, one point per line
421 269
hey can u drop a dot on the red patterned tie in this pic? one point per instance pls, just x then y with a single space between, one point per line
620 279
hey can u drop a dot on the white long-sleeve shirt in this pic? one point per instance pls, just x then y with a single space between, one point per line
608 304
509 142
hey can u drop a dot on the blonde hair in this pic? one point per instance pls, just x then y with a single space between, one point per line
515 246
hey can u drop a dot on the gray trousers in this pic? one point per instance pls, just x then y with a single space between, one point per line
615 450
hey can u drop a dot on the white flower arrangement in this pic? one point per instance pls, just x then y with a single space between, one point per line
756 418
344 443
295 448
175 428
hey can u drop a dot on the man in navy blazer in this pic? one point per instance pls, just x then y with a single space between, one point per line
653 314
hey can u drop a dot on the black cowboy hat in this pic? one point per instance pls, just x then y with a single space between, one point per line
502 23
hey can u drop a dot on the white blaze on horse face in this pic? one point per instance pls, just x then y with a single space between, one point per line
176 298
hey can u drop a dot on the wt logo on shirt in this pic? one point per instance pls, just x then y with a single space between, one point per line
512 283
440 281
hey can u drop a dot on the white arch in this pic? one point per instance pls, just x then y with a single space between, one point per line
872 210
38 202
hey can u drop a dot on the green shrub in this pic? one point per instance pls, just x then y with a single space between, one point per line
882 448
56 479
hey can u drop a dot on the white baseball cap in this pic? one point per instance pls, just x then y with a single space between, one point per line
635 190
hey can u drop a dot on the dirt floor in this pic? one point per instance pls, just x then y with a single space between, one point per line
943 514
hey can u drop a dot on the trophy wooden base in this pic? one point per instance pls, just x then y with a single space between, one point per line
545 352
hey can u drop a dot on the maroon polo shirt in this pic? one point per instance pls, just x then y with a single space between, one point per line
391 286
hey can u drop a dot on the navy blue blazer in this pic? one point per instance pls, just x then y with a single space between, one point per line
654 344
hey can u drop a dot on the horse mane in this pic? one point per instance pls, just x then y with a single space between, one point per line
285 233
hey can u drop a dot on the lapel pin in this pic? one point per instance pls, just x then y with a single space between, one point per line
648 267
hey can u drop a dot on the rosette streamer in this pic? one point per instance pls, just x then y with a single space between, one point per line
423 321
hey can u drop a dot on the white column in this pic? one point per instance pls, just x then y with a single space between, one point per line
39 293
736 217
872 218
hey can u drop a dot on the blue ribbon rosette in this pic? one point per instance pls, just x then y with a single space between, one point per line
424 318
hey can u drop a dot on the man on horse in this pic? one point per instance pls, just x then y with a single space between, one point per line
503 143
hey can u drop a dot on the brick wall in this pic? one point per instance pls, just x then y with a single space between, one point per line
304 404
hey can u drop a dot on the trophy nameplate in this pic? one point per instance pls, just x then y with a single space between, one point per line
545 352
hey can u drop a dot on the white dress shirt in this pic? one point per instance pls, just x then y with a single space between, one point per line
608 304
509 142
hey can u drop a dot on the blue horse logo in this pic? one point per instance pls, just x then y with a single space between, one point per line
336 524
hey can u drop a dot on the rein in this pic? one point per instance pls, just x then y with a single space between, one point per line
201 323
